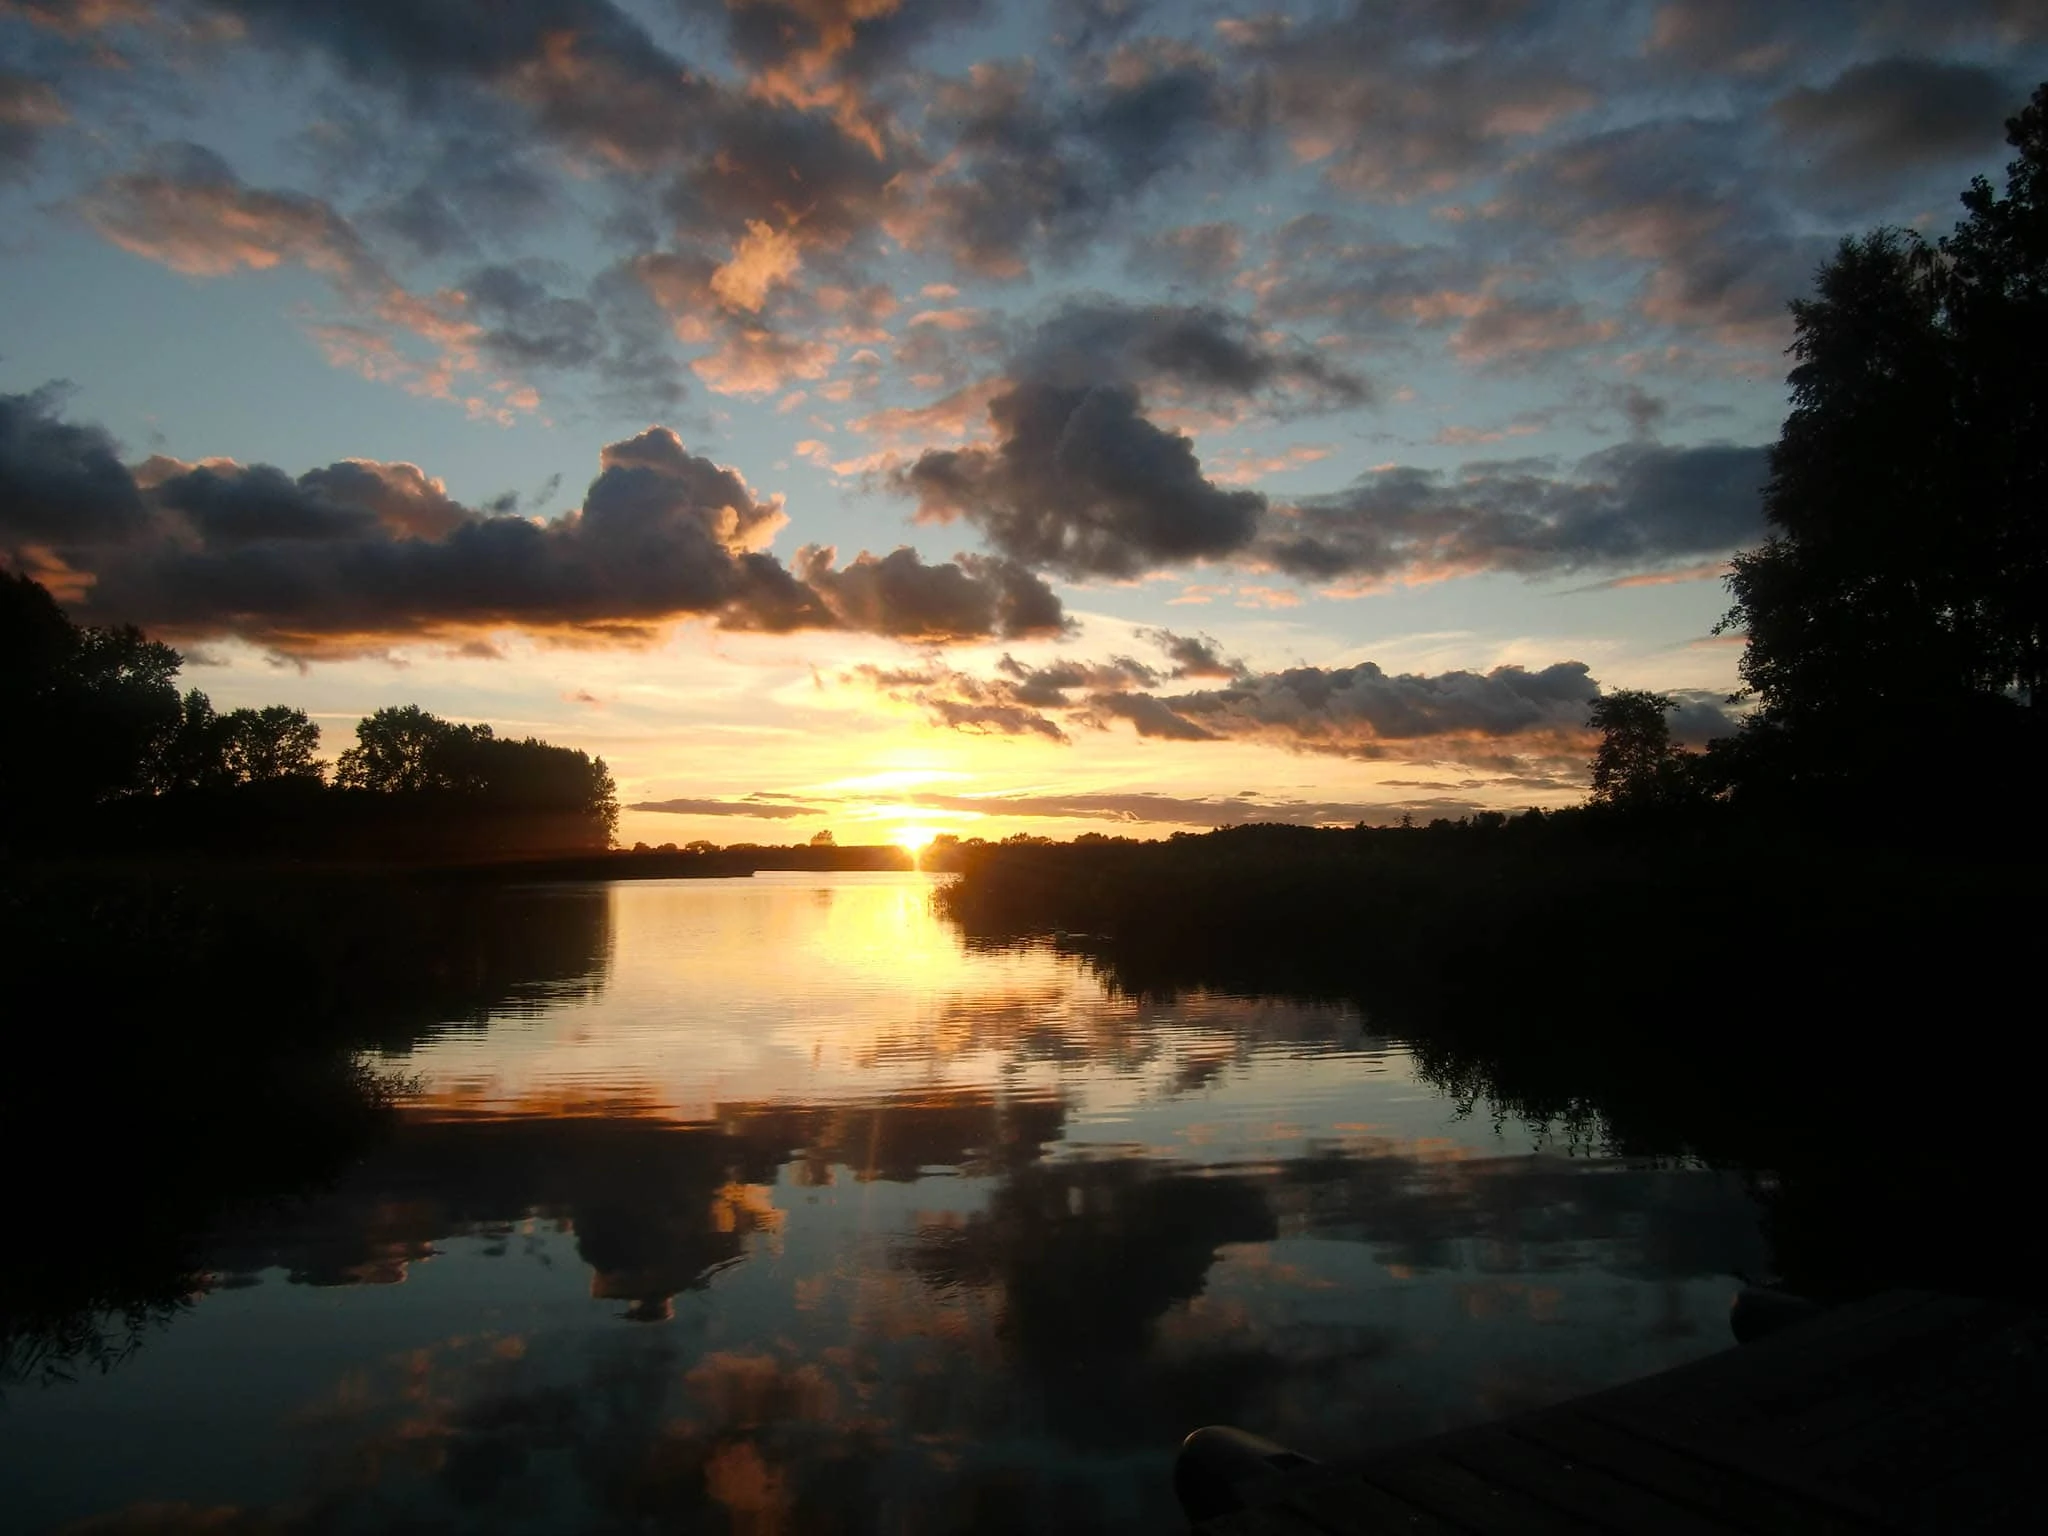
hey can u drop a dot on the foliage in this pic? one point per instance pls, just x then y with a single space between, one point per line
86 708
1636 763
406 750
244 746
103 753
1906 577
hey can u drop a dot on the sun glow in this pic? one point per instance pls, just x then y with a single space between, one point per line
913 839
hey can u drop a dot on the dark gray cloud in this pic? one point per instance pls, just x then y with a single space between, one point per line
1194 656
1148 715
1364 711
588 72
1407 100
1080 480
1877 119
1685 201
899 595
1701 716
1635 505
611 330
1082 483
1763 38
1172 810
60 481
961 701
1047 687
1512 720
1193 350
359 551
766 810
1040 166
761 160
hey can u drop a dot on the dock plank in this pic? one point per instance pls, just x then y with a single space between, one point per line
1910 1413
1757 1504
1588 1493
1354 1507
1350 1506
1476 1503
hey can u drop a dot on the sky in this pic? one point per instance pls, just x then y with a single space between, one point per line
900 416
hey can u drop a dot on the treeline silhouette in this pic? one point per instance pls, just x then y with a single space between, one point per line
105 756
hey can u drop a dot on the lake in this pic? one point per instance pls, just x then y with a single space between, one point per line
775 1207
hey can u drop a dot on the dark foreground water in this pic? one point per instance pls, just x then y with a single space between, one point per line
781 1210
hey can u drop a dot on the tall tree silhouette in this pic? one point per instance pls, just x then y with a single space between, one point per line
405 748
1636 764
243 746
85 709
1905 583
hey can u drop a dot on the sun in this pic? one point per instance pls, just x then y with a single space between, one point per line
913 839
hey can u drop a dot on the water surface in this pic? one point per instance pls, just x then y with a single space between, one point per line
782 1210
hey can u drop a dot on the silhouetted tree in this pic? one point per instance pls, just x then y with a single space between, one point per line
407 751
405 748
86 708
1905 584
244 746
1636 764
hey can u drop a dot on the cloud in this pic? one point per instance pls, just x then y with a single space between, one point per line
586 72
1511 719
79 18
763 259
1083 484
1529 724
336 558
188 211
1148 716
765 810
1504 328
1194 656
1047 686
1403 101
1157 809
59 481
1366 712
28 106
1193 351
753 360
1080 480
990 707
1764 38
898 595
1634 504
1034 169
1879 118
1684 198
1199 254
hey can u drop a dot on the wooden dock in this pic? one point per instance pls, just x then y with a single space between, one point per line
1909 1413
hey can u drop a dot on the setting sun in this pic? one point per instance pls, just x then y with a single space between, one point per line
913 839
